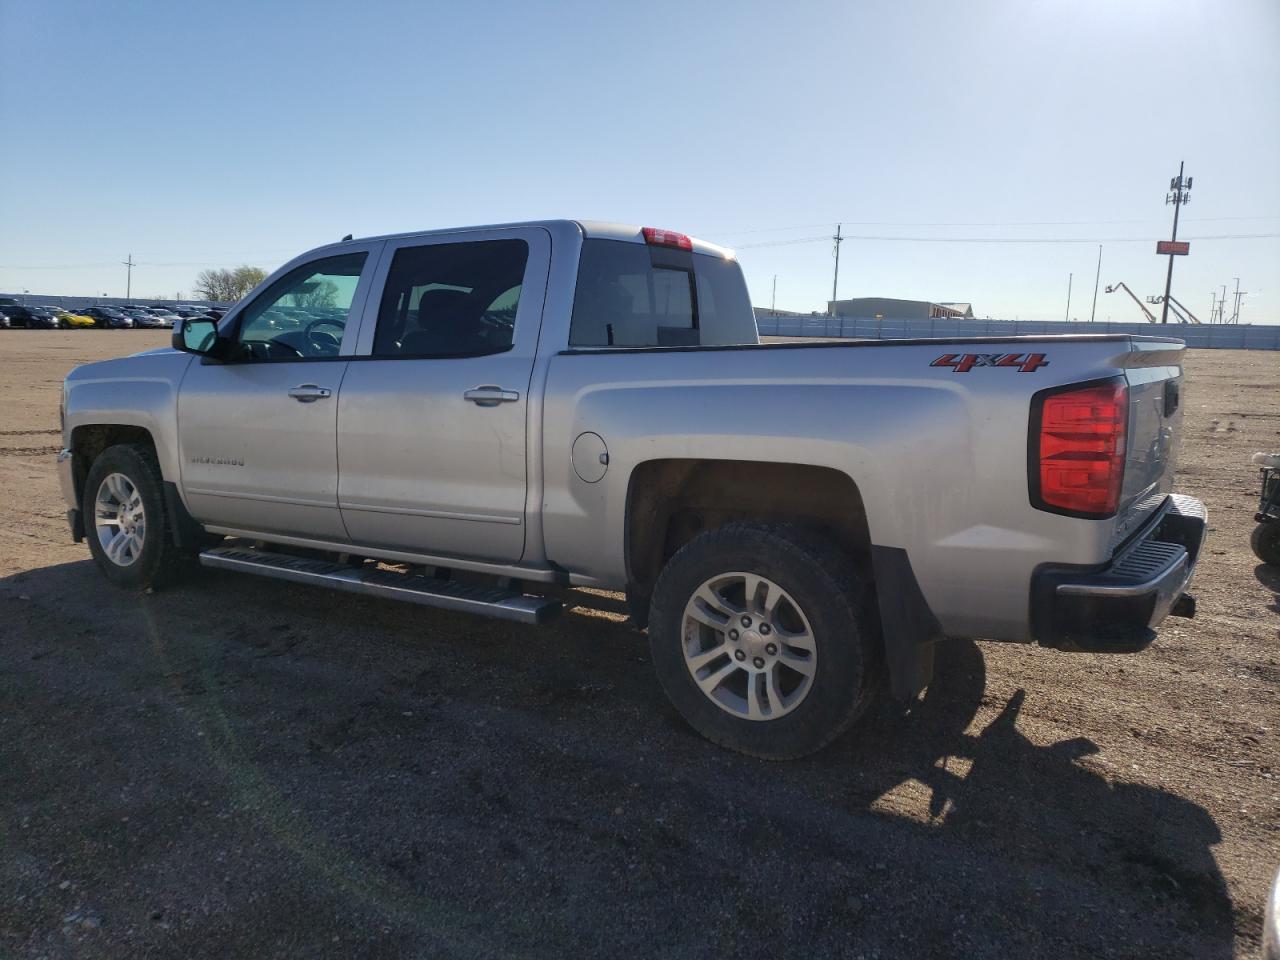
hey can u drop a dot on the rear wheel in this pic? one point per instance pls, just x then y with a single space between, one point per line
126 519
1266 542
764 639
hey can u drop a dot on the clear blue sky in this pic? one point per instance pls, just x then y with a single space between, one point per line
196 134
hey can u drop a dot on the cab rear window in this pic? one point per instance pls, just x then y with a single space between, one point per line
634 295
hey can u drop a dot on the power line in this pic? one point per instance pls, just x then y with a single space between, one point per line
973 223
913 239
136 263
825 238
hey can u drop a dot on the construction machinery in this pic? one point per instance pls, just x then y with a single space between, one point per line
1181 312
1141 306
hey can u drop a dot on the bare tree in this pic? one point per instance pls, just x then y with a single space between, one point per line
209 285
228 285
246 278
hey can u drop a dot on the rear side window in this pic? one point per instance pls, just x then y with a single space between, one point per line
451 299
635 295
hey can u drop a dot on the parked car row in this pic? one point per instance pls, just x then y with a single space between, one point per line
157 316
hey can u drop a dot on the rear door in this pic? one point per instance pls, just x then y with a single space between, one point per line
432 416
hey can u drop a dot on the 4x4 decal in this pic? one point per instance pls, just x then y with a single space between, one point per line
964 362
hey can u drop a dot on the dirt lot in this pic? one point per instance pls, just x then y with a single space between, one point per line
248 768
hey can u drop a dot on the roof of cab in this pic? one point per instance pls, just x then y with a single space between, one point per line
600 229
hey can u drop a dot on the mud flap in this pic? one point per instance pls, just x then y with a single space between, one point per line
183 528
910 630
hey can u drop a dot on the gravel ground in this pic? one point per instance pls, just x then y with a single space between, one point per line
248 768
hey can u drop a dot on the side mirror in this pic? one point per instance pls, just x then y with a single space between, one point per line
195 335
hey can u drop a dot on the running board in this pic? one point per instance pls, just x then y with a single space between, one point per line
376 582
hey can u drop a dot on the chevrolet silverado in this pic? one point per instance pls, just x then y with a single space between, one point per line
478 418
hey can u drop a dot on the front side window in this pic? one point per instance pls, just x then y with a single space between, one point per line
451 299
304 314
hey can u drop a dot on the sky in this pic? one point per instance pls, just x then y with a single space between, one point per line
196 134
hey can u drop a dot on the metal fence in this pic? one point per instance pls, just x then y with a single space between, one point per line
1224 336
75 303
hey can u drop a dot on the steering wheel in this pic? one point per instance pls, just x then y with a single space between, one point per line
322 342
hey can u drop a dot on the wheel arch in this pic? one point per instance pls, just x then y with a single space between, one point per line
89 440
669 501
87 443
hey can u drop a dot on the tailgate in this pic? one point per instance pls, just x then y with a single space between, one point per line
1154 372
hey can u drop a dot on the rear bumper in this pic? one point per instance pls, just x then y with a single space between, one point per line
1116 608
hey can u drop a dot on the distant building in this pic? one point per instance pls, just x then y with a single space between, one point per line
768 313
892 309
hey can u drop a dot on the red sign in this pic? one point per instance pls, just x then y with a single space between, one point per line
1179 247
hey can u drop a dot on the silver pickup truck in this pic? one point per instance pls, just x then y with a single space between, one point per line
478 418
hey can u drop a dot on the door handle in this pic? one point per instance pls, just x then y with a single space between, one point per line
490 396
309 393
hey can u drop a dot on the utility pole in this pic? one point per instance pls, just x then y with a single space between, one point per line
1095 285
1235 314
1070 277
836 278
128 283
1222 305
1179 193
773 301
1213 306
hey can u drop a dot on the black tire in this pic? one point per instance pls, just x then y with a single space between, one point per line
840 610
1265 541
160 560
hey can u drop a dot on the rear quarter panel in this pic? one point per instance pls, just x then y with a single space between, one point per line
939 457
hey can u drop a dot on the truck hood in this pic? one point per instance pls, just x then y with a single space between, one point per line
163 363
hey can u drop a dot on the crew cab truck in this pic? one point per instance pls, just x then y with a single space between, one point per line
477 418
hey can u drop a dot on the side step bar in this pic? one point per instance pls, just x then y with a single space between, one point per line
374 582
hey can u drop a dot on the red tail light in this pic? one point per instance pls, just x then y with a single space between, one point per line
666 238
1078 449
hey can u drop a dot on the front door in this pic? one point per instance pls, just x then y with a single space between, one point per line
432 413
257 434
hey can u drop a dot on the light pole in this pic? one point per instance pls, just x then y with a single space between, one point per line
1070 277
1179 193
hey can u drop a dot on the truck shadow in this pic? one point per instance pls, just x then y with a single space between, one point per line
1042 802
528 773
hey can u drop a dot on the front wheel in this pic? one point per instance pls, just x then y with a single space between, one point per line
1266 542
126 519
764 639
